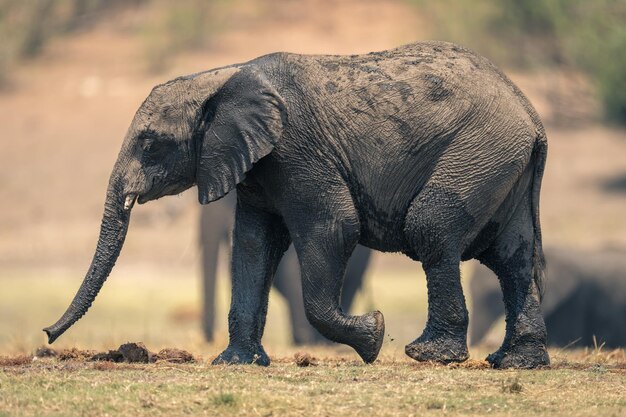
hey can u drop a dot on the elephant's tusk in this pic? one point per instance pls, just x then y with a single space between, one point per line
130 201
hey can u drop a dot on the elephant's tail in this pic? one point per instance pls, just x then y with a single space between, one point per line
540 152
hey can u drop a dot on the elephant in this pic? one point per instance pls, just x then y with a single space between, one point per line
216 224
427 149
585 298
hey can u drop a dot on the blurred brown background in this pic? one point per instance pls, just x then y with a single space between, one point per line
73 72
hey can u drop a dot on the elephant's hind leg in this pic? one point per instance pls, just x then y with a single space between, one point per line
510 257
434 233
324 238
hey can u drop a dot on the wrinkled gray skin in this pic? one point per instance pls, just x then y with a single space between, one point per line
427 149
585 296
216 225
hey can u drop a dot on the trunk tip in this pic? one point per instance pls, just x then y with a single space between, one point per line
52 335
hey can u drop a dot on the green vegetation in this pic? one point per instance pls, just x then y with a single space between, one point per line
590 35
224 399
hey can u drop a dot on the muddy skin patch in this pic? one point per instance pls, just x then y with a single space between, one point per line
436 89
330 66
402 126
421 60
331 87
399 87
373 70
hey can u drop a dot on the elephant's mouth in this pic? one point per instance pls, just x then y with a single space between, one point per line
149 193
153 194
132 198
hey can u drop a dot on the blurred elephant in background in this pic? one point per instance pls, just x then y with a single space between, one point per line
585 296
216 226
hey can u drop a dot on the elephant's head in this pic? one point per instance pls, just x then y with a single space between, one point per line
205 129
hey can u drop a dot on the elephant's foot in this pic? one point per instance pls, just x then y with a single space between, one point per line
235 356
369 341
525 355
438 348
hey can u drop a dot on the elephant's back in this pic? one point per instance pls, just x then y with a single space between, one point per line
439 84
414 64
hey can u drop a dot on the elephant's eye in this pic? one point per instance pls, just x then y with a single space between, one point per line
147 144
155 149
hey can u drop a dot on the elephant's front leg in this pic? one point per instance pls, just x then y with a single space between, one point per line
259 241
324 239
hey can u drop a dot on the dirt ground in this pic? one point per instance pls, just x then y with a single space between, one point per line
580 384
62 122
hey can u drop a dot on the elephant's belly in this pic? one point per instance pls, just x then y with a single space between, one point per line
382 231
381 243
383 188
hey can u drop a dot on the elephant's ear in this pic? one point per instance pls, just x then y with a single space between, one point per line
243 122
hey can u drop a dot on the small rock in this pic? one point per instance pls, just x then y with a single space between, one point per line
134 353
174 355
303 359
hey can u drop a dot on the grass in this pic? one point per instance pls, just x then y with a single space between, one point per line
160 309
338 386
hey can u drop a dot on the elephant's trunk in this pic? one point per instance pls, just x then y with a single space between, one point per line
113 229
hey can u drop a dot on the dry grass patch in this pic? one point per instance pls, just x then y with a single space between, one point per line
19 360
337 386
